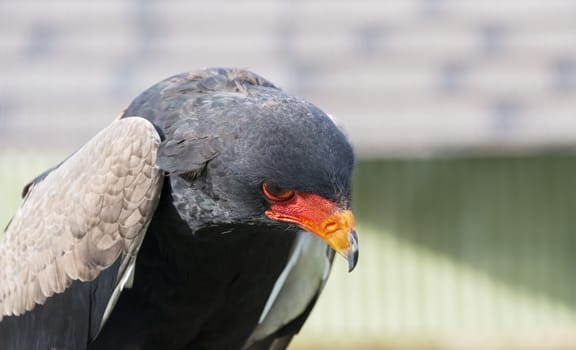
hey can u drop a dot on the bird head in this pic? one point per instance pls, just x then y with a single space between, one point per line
239 150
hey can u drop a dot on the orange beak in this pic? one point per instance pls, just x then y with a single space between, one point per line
322 218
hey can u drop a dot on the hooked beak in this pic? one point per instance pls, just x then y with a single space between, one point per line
322 218
352 254
340 234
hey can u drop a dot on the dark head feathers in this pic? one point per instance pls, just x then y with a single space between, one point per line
241 130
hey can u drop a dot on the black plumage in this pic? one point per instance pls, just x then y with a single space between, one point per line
215 270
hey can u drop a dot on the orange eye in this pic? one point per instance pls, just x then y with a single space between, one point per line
275 193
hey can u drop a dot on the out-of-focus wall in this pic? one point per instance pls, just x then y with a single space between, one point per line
402 76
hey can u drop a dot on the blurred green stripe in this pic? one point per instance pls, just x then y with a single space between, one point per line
466 245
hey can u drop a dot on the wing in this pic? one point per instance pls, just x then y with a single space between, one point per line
294 294
69 249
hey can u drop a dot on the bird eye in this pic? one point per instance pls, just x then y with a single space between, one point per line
275 193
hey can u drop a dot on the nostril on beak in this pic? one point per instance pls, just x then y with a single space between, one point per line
330 227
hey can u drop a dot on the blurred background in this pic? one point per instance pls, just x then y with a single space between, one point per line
462 112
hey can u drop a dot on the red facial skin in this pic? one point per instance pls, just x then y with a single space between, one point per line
316 215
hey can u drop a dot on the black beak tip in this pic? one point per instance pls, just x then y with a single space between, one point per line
352 261
352 255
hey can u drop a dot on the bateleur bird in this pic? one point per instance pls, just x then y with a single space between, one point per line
205 217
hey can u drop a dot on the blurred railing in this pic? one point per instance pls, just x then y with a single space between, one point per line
404 76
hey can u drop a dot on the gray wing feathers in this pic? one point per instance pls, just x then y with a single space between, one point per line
302 279
79 219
